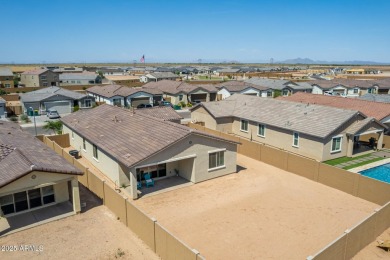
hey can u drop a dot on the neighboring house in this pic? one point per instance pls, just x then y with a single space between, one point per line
55 98
2 107
379 111
123 96
384 98
39 78
344 87
126 79
228 88
158 76
226 71
84 78
67 70
178 91
382 85
162 112
33 177
6 78
284 87
112 72
125 146
295 87
314 131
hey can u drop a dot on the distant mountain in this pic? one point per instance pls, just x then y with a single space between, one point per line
310 61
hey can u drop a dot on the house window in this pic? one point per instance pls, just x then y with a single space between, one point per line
116 102
78 81
269 93
296 139
180 97
43 77
355 91
95 152
336 144
285 92
261 130
87 103
244 125
216 159
44 84
7 85
48 194
72 81
84 145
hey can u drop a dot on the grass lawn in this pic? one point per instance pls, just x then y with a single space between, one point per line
347 159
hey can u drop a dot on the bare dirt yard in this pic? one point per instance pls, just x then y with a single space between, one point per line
261 212
93 234
372 251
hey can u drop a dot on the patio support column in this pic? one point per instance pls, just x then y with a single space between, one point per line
76 195
350 146
208 97
380 141
133 186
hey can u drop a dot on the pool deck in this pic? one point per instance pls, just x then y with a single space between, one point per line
369 166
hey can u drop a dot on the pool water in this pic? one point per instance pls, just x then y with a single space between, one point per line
381 173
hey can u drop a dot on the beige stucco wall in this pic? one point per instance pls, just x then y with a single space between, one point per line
174 99
199 146
224 124
35 80
201 115
42 179
105 163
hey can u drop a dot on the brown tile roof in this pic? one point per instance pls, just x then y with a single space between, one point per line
34 72
357 126
176 87
369 108
237 86
21 153
165 113
348 83
126 136
118 90
314 120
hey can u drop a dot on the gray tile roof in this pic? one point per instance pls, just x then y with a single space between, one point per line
347 83
21 153
164 113
79 76
268 83
4 71
126 136
238 86
161 75
357 126
118 90
376 98
44 93
314 120
176 87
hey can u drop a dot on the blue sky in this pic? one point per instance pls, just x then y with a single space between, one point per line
185 31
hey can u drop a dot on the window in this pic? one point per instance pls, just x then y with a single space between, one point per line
180 97
269 93
44 84
84 145
72 81
88 103
7 85
261 130
95 152
355 91
216 159
78 81
285 92
296 139
48 194
336 144
35 198
7 204
43 77
117 102
244 125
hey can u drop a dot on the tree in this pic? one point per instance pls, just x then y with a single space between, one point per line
55 126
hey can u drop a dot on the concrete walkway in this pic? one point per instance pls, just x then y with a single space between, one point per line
356 161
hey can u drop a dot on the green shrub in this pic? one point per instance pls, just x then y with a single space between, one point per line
14 119
189 105
182 104
25 118
76 108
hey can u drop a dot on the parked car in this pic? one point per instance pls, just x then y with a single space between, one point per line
165 104
144 105
52 114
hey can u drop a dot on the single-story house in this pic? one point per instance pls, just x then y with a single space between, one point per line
158 76
383 98
344 87
284 87
383 86
228 88
178 91
55 98
123 96
112 71
314 131
125 146
162 112
379 111
33 177
2 107
84 78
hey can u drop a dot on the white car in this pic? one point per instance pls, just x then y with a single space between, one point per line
52 114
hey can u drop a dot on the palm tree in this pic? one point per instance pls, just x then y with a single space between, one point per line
55 126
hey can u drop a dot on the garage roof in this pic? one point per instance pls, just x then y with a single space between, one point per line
44 93
21 153
126 136
109 91
163 112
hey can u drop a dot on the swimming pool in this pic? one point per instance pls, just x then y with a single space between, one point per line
381 173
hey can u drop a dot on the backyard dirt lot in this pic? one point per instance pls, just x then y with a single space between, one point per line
372 251
93 234
261 212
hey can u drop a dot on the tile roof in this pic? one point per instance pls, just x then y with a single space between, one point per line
369 108
4 71
34 72
383 98
268 83
126 136
357 126
78 76
118 90
314 120
44 93
238 86
176 87
21 153
348 83
161 75
165 113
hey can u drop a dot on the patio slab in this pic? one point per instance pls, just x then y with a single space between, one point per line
35 218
